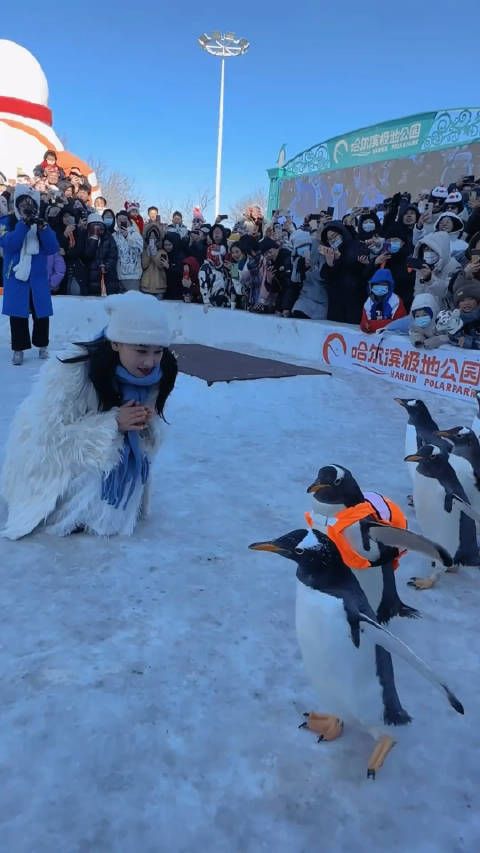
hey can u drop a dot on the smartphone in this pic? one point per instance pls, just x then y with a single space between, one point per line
468 179
330 211
475 253
414 263
222 217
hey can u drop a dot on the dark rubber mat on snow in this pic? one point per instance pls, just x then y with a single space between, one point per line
221 365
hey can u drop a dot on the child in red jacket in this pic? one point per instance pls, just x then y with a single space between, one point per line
382 305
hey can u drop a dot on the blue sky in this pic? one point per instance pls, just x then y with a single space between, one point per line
129 84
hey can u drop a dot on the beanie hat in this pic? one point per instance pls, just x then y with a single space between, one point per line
130 206
469 290
136 318
439 192
95 218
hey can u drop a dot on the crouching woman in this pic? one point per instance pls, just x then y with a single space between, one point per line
80 448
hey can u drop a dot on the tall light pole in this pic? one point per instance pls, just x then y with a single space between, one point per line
222 45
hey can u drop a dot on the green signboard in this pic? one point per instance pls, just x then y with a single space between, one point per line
406 138
399 138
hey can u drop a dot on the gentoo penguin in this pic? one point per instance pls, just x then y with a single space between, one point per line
336 490
465 443
476 420
438 514
345 651
427 432
412 439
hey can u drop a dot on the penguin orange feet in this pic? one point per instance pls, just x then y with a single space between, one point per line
423 583
326 726
379 754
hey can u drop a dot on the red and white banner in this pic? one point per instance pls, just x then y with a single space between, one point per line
450 371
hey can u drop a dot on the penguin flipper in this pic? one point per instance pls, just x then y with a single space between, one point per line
381 636
385 534
467 509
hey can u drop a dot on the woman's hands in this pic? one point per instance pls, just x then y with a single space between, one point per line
133 417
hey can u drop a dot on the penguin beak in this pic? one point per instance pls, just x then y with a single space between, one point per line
414 457
315 487
266 546
399 401
446 433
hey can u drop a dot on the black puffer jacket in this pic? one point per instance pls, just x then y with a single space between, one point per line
346 279
95 253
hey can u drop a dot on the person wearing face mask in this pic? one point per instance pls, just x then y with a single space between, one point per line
422 326
108 217
428 218
438 267
98 253
26 247
383 306
369 226
393 256
345 272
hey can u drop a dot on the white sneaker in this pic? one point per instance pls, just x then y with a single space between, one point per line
43 353
17 358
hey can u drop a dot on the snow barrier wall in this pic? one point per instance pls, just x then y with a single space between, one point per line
449 371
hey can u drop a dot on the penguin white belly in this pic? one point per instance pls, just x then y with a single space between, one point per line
343 676
411 447
465 474
438 525
476 426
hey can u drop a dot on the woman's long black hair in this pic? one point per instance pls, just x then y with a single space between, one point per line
103 362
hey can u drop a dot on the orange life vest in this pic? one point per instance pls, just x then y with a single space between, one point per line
390 515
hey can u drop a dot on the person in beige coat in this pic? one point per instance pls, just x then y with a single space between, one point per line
154 262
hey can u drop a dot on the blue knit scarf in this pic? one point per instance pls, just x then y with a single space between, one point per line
381 303
133 462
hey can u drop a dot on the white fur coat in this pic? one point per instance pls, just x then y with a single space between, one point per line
58 448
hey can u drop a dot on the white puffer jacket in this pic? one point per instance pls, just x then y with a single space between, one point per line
443 271
58 448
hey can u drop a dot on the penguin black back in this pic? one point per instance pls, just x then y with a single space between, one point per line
425 426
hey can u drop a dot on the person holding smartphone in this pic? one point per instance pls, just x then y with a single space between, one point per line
345 273
26 246
129 244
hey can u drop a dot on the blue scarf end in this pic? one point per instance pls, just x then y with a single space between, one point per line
133 465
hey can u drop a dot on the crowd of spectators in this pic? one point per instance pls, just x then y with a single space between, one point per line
406 265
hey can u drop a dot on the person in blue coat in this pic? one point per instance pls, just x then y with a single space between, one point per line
26 291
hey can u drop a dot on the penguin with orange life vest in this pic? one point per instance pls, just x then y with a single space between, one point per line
357 522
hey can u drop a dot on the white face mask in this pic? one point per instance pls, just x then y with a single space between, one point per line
368 226
430 258
336 242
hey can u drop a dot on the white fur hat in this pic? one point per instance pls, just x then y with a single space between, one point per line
25 190
136 318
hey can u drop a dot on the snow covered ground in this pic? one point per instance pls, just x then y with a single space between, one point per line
152 687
